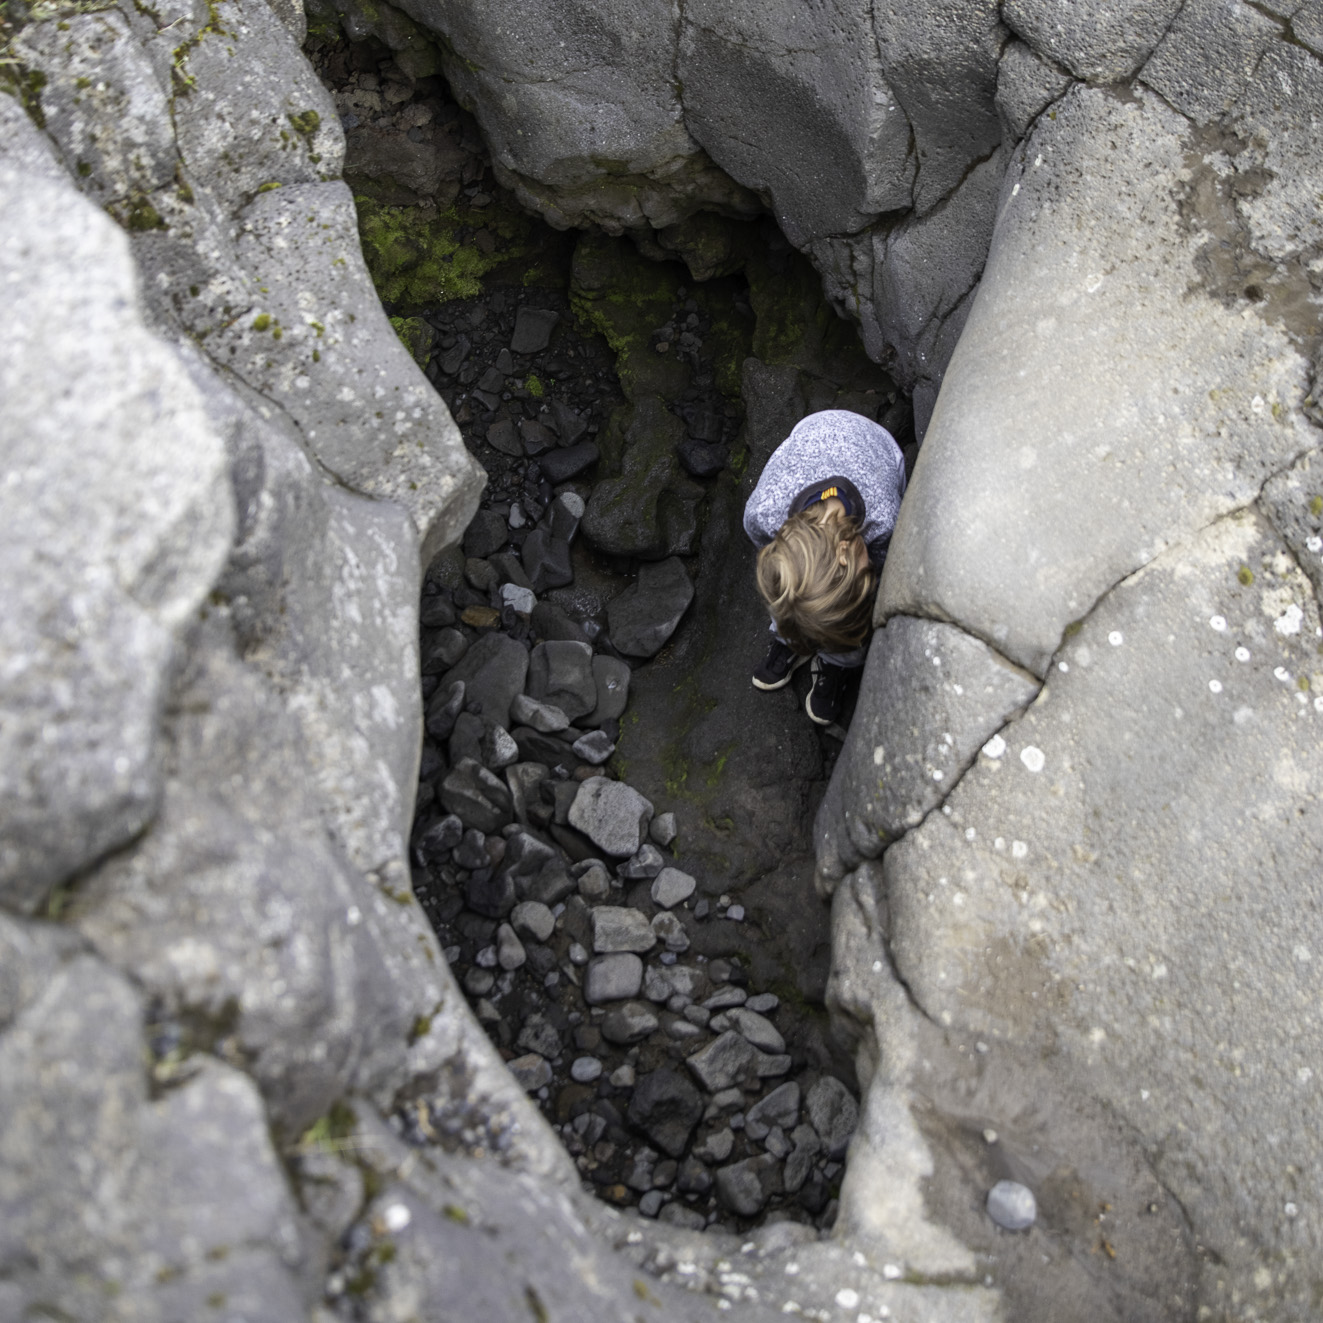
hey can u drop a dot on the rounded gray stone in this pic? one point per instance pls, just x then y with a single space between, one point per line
1012 1206
611 814
612 978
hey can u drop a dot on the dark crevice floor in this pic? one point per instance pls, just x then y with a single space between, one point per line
613 829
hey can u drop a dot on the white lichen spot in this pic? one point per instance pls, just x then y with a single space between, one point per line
877 969
353 916
1314 543
1318 703
1063 667
1033 757
970 833
1093 283
397 1217
792 1269
1290 1210
1218 623
891 1271
1282 674
1215 686
1290 620
1015 190
1242 654
995 747
938 774
999 843
1256 404
1304 1075
1019 849
879 756
1097 1035
1301 954
1159 971
1116 638
846 1298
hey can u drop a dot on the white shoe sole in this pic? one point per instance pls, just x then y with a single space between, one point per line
780 684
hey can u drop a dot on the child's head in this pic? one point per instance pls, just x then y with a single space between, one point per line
816 580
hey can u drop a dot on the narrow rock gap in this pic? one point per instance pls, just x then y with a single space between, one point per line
613 831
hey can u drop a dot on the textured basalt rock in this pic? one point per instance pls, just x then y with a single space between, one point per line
1087 962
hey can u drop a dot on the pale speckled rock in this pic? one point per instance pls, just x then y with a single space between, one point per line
1130 354
1147 960
114 523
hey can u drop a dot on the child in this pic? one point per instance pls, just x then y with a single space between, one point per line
822 514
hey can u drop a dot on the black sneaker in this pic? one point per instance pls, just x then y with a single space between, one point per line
778 666
827 697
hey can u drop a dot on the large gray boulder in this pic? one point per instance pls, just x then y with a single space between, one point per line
1150 414
581 109
811 78
115 520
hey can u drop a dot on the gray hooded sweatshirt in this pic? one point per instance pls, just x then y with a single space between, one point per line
832 453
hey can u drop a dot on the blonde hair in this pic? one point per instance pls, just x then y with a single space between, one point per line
816 602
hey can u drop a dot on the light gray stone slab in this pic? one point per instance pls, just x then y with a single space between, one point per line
618 928
614 977
611 814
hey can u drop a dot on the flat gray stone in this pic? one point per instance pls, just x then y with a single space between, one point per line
531 1071
560 673
745 1187
584 1070
533 328
543 717
533 919
725 1062
671 887
646 863
666 1107
612 815
779 1108
647 613
493 670
760 1032
617 928
612 978
594 748
663 829
670 932
510 953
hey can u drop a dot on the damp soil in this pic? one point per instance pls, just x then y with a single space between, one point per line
620 407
